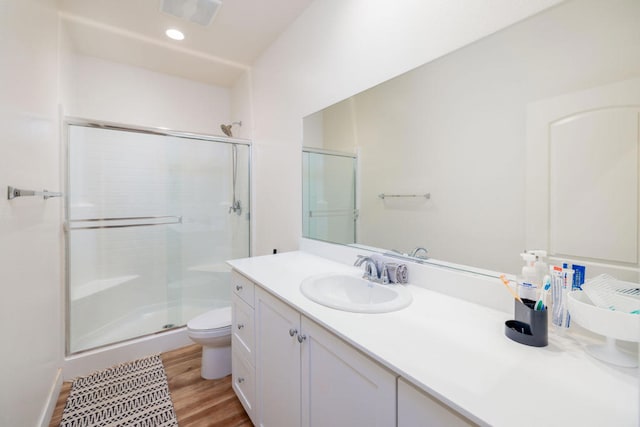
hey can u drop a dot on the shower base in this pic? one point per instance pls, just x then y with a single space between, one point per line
113 344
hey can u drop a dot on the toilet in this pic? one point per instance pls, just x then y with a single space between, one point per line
212 330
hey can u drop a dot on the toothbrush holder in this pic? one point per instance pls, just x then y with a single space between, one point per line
530 327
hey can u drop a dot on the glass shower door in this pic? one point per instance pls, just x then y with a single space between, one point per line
329 197
149 227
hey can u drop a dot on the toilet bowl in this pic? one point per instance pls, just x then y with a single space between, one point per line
212 330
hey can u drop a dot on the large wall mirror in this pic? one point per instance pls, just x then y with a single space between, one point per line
472 144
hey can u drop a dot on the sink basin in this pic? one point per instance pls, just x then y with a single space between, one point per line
355 294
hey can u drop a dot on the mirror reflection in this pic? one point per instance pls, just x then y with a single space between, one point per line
459 130
329 196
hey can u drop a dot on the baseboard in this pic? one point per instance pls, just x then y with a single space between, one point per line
47 413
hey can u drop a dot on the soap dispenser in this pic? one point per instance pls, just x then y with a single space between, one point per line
540 265
528 280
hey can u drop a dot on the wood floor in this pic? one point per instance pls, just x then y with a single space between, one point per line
197 402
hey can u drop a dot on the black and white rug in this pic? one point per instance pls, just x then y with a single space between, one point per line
132 394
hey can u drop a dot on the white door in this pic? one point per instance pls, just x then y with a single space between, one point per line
583 180
277 362
341 386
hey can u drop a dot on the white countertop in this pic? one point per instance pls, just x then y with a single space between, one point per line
456 351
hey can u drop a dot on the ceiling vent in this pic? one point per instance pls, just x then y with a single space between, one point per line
197 11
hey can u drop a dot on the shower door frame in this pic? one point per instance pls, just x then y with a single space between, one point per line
89 123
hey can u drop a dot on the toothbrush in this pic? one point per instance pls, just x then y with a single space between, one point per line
506 284
540 305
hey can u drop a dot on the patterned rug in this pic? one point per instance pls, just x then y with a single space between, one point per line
132 394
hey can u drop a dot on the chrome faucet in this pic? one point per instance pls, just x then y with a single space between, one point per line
371 270
414 253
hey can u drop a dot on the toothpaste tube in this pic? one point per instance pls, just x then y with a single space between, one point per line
567 287
557 282
561 285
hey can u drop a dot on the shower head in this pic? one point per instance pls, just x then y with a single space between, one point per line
227 128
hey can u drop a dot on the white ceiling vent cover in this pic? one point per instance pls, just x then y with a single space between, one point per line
198 11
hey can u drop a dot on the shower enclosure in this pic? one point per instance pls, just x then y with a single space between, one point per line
151 217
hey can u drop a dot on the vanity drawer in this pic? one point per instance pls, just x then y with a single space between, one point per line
242 287
242 329
243 375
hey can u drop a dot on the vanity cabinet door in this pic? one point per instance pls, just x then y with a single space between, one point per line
277 362
341 386
418 409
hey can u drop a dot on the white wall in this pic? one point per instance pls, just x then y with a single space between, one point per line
109 91
335 49
242 107
31 321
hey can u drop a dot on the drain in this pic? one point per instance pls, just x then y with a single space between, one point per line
169 326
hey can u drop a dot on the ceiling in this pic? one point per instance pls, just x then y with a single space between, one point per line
133 32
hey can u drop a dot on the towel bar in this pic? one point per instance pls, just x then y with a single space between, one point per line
334 212
13 192
383 196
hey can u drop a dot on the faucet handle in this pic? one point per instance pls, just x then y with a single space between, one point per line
384 275
359 260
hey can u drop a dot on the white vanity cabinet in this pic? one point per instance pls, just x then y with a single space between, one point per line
277 362
307 376
418 409
340 385
243 342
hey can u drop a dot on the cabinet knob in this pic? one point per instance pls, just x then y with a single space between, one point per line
240 325
301 338
240 380
292 332
238 288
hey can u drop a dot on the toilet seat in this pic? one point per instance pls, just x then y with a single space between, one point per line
218 319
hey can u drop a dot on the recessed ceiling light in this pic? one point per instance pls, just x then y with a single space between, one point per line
172 33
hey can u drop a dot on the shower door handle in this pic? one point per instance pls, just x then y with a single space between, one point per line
137 221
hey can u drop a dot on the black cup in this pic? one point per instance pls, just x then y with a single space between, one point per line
530 327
